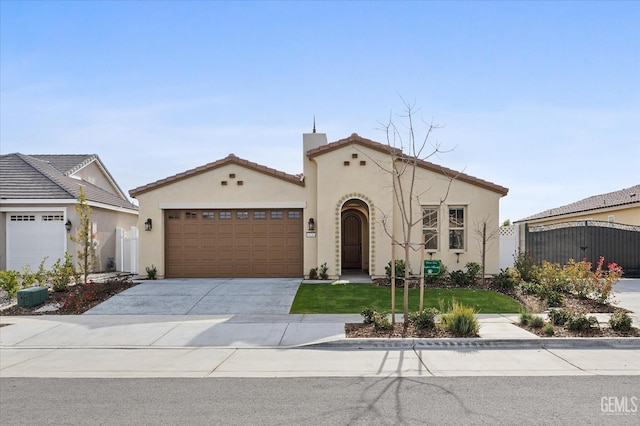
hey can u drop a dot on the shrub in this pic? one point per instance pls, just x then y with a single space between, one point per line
27 278
458 278
536 322
400 268
507 278
151 272
531 288
548 329
461 320
313 274
580 322
62 273
322 273
382 321
473 270
620 320
425 319
466 278
554 298
559 316
525 318
367 314
9 283
526 267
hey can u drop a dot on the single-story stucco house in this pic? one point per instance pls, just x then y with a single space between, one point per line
237 218
38 195
605 225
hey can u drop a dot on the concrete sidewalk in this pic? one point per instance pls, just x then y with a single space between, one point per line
287 346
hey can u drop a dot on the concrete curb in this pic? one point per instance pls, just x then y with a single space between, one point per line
480 343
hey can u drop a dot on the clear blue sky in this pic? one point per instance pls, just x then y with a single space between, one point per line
540 97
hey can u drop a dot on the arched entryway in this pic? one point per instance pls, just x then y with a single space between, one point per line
354 243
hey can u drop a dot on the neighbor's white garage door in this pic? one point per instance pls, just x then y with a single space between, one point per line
32 236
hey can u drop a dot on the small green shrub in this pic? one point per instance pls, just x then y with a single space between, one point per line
152 272
9 283
400 268
27 278
62 273
554 298
461 320
536 322
382 321
530 287
526 267
548 329
580 322
559 316
458 278
473 270
525 318
620 320
313 274
507 278
425 319
322 273
367 314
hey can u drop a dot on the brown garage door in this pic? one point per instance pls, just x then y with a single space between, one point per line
233 243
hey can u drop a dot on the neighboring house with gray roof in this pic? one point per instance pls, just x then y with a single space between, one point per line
38 194
605 225
621 206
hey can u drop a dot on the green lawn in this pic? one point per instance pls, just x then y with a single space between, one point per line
353 298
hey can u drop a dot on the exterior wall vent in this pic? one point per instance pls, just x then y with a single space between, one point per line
223 183
240 183
363 163
346 163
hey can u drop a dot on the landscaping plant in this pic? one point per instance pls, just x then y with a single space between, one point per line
461 320
9 283
62 273
424 319
620 320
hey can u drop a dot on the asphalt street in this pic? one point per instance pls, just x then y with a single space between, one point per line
322 401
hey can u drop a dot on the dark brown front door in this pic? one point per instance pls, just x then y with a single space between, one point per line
351 241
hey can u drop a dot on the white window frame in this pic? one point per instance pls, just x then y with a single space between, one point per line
456 228
431 227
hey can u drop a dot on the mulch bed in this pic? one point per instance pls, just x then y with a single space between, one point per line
559 331
76 299
358 330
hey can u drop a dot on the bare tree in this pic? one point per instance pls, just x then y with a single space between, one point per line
486 234
407 152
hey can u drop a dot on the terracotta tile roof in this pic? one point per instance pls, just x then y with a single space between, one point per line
359 140
628 196
28 177
230 159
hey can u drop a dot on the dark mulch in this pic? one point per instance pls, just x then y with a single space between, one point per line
559 331
358 330
77 299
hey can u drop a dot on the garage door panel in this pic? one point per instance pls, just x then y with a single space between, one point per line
238 243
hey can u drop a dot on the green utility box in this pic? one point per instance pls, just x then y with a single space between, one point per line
33 296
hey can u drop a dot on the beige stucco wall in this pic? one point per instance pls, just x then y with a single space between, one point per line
337 183
106 222
204 190
328 185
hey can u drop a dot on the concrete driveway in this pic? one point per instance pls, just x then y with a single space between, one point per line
203 296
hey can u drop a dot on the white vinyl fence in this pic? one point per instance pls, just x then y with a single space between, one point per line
508 245
127 253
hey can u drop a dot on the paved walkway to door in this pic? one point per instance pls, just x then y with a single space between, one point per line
203 296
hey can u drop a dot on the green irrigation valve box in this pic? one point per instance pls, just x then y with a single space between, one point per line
33 296
431 267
